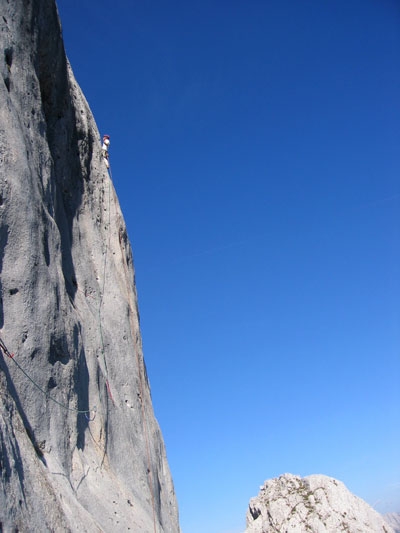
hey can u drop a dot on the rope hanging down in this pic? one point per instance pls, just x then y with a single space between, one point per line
141 386
103 288
86 412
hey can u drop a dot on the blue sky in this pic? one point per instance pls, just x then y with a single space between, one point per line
255 152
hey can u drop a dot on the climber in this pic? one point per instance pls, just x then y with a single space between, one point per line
104 150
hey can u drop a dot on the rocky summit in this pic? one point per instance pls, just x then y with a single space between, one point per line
315 504
81 449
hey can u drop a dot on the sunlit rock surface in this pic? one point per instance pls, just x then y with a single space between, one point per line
80 447
394 520
315 504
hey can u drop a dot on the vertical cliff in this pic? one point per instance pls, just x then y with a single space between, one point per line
80 447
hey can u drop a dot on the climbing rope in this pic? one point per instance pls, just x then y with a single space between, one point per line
146 432
140 370
103 288
86 412
147 439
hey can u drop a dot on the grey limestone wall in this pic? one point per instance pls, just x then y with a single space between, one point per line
80 447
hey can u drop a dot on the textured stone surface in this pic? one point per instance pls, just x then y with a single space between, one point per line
315 504
68 309
394 520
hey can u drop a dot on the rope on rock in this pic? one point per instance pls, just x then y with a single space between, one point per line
86 412
147 439
103 288
141 385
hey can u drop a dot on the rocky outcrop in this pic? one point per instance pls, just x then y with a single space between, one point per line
315 504
393 519
80 447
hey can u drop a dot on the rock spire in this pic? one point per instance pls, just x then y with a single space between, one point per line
314 504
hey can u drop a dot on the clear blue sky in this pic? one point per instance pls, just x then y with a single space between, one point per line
255 150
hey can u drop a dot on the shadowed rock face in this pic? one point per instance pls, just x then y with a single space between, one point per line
315 504
80 447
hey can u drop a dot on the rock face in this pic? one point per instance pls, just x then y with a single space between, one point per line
80 447
315 504
394 520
